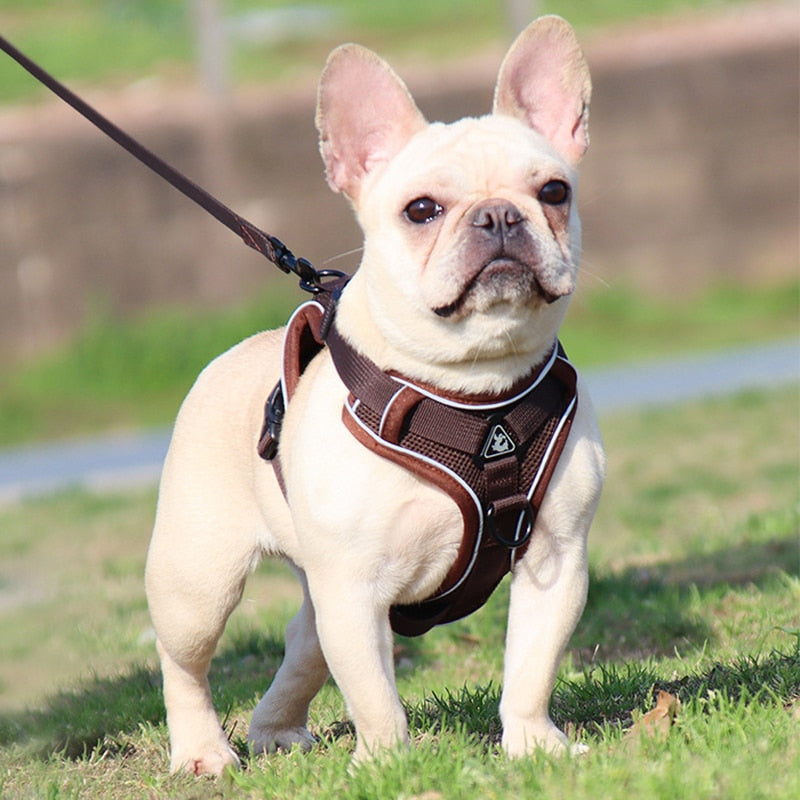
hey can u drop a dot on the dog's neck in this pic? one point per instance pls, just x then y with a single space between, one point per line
471 373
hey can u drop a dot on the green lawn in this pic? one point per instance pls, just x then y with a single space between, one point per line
695 591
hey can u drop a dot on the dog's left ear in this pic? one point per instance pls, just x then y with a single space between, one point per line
544 81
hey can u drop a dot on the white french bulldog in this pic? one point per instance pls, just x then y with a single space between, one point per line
471 249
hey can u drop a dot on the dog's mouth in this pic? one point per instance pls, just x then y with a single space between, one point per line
506 278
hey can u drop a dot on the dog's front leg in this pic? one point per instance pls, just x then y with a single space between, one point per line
548 593
356 637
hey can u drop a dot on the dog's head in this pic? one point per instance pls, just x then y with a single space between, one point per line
471 234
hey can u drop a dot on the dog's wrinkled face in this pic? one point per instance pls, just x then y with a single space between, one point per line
485 214
472 239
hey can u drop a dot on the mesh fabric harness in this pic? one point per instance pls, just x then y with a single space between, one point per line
494 456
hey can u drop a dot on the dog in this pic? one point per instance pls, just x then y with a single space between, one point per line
471 250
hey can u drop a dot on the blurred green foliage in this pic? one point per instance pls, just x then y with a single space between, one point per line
117 42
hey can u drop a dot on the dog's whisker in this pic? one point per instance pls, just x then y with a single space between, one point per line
598 194
340 256
476 358
512 346
607 284
594 275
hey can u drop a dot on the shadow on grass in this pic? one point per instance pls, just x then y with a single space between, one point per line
76 723
650 611
610 694
635 614
95 718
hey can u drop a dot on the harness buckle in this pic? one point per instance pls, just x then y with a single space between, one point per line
522 530
273 420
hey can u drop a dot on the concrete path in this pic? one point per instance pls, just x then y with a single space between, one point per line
675 380
119 461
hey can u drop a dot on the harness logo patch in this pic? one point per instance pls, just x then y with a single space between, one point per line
499 443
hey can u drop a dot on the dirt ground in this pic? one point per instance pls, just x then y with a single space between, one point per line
692 177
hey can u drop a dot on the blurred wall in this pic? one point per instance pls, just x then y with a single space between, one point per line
692 178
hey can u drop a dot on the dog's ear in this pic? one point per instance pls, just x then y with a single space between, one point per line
544 81
365 115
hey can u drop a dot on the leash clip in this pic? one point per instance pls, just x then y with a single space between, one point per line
311 279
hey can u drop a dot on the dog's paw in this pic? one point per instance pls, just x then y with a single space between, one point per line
523 737
269 740
579 749
213 760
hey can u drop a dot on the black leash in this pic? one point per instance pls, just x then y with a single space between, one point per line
269 246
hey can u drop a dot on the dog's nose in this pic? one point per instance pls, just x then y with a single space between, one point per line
497 218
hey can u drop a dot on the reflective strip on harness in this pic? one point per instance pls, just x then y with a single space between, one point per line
494 456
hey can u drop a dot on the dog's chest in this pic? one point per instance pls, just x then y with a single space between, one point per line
492 456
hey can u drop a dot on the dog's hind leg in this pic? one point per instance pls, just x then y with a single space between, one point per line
218 505
279 720
194 579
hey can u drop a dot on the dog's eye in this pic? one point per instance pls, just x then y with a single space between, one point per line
423 209
554 193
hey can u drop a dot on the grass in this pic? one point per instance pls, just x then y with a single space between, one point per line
611 324
115 43
123 373
126 373
695 567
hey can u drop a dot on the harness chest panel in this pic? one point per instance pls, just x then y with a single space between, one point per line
494 456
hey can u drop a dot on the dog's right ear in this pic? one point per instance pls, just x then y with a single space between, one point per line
365 115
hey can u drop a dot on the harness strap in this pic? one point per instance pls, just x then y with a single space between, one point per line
361 376
498 499
465 433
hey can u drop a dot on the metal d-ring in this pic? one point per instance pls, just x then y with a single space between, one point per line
526 516
311 280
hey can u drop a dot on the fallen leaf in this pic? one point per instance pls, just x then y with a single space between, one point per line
658 720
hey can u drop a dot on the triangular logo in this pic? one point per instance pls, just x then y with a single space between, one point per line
499 443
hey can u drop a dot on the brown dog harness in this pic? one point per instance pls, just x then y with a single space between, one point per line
494 455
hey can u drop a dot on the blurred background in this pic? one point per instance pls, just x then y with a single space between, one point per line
116 289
